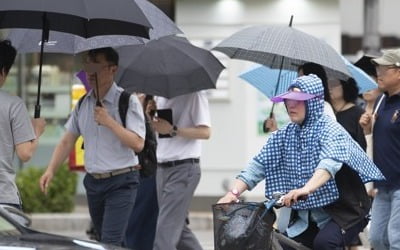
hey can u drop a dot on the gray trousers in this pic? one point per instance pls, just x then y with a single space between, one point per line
175 189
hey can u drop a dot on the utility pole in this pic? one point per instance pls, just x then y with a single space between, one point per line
371 41
167 6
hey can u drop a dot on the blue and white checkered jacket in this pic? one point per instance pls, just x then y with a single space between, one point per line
292 153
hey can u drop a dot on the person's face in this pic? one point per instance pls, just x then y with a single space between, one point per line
99 66
335 89
388 77
371 95
300 73
296 110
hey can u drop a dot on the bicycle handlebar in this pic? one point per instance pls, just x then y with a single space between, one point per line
277 200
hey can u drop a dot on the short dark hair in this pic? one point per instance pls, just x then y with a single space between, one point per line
7 55
317 69
350 90
109 53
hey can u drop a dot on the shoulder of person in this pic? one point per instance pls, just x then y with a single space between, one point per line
6 97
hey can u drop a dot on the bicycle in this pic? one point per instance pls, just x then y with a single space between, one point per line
249 226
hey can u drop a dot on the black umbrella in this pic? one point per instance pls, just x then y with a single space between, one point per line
85 18
169 66
28 40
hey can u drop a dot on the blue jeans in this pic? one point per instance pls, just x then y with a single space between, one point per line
110 203
330 237
385 220
143 220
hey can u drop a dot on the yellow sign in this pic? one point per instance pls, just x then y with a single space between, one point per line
76 157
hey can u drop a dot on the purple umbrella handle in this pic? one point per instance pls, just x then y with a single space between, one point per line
82 77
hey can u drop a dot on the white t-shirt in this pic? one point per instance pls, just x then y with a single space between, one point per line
188 110
328 110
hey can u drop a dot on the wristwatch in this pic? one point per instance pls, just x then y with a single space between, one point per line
235 192
174 131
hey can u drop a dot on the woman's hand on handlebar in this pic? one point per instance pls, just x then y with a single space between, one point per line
295 195
228 198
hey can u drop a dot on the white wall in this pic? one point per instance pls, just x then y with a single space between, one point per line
351 13
234 137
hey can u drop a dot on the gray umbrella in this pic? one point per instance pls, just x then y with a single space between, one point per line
29 40
81 19
169 66
85 18
273 45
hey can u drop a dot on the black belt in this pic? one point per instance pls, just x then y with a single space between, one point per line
115 172
169 164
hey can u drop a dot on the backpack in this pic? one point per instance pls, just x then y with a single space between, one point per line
147 157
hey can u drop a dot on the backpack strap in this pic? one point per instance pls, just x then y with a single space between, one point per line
79 106
123 106
81 100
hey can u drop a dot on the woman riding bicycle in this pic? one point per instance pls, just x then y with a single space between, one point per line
313 157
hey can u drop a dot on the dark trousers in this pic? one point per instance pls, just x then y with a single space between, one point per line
330 237
143 220
110 203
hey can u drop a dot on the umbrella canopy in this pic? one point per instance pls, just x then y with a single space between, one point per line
29 40
266 79
168 67
366 65
363 80
85 18
282 47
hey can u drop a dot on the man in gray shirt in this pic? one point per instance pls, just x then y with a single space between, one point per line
110 160
18 133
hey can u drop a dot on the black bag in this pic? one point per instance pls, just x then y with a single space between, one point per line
148 156
242 226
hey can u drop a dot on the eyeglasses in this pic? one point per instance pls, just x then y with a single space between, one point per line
383 70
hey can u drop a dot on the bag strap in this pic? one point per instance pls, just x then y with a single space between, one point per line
123 106
81 100
378 104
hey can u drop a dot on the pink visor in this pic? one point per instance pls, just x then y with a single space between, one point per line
293 95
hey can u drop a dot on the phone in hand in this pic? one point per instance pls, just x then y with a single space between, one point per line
165 114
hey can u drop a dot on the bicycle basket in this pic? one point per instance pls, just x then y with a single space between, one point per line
242 226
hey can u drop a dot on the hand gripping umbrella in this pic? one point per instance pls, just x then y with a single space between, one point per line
85 18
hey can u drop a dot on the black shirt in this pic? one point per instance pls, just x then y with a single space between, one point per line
349 120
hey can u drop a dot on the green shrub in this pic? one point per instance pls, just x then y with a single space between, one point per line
60 196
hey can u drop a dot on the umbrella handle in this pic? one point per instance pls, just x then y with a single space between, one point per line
37 111
98 103
45 38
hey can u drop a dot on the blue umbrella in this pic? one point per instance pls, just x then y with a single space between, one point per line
265 79
363 80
